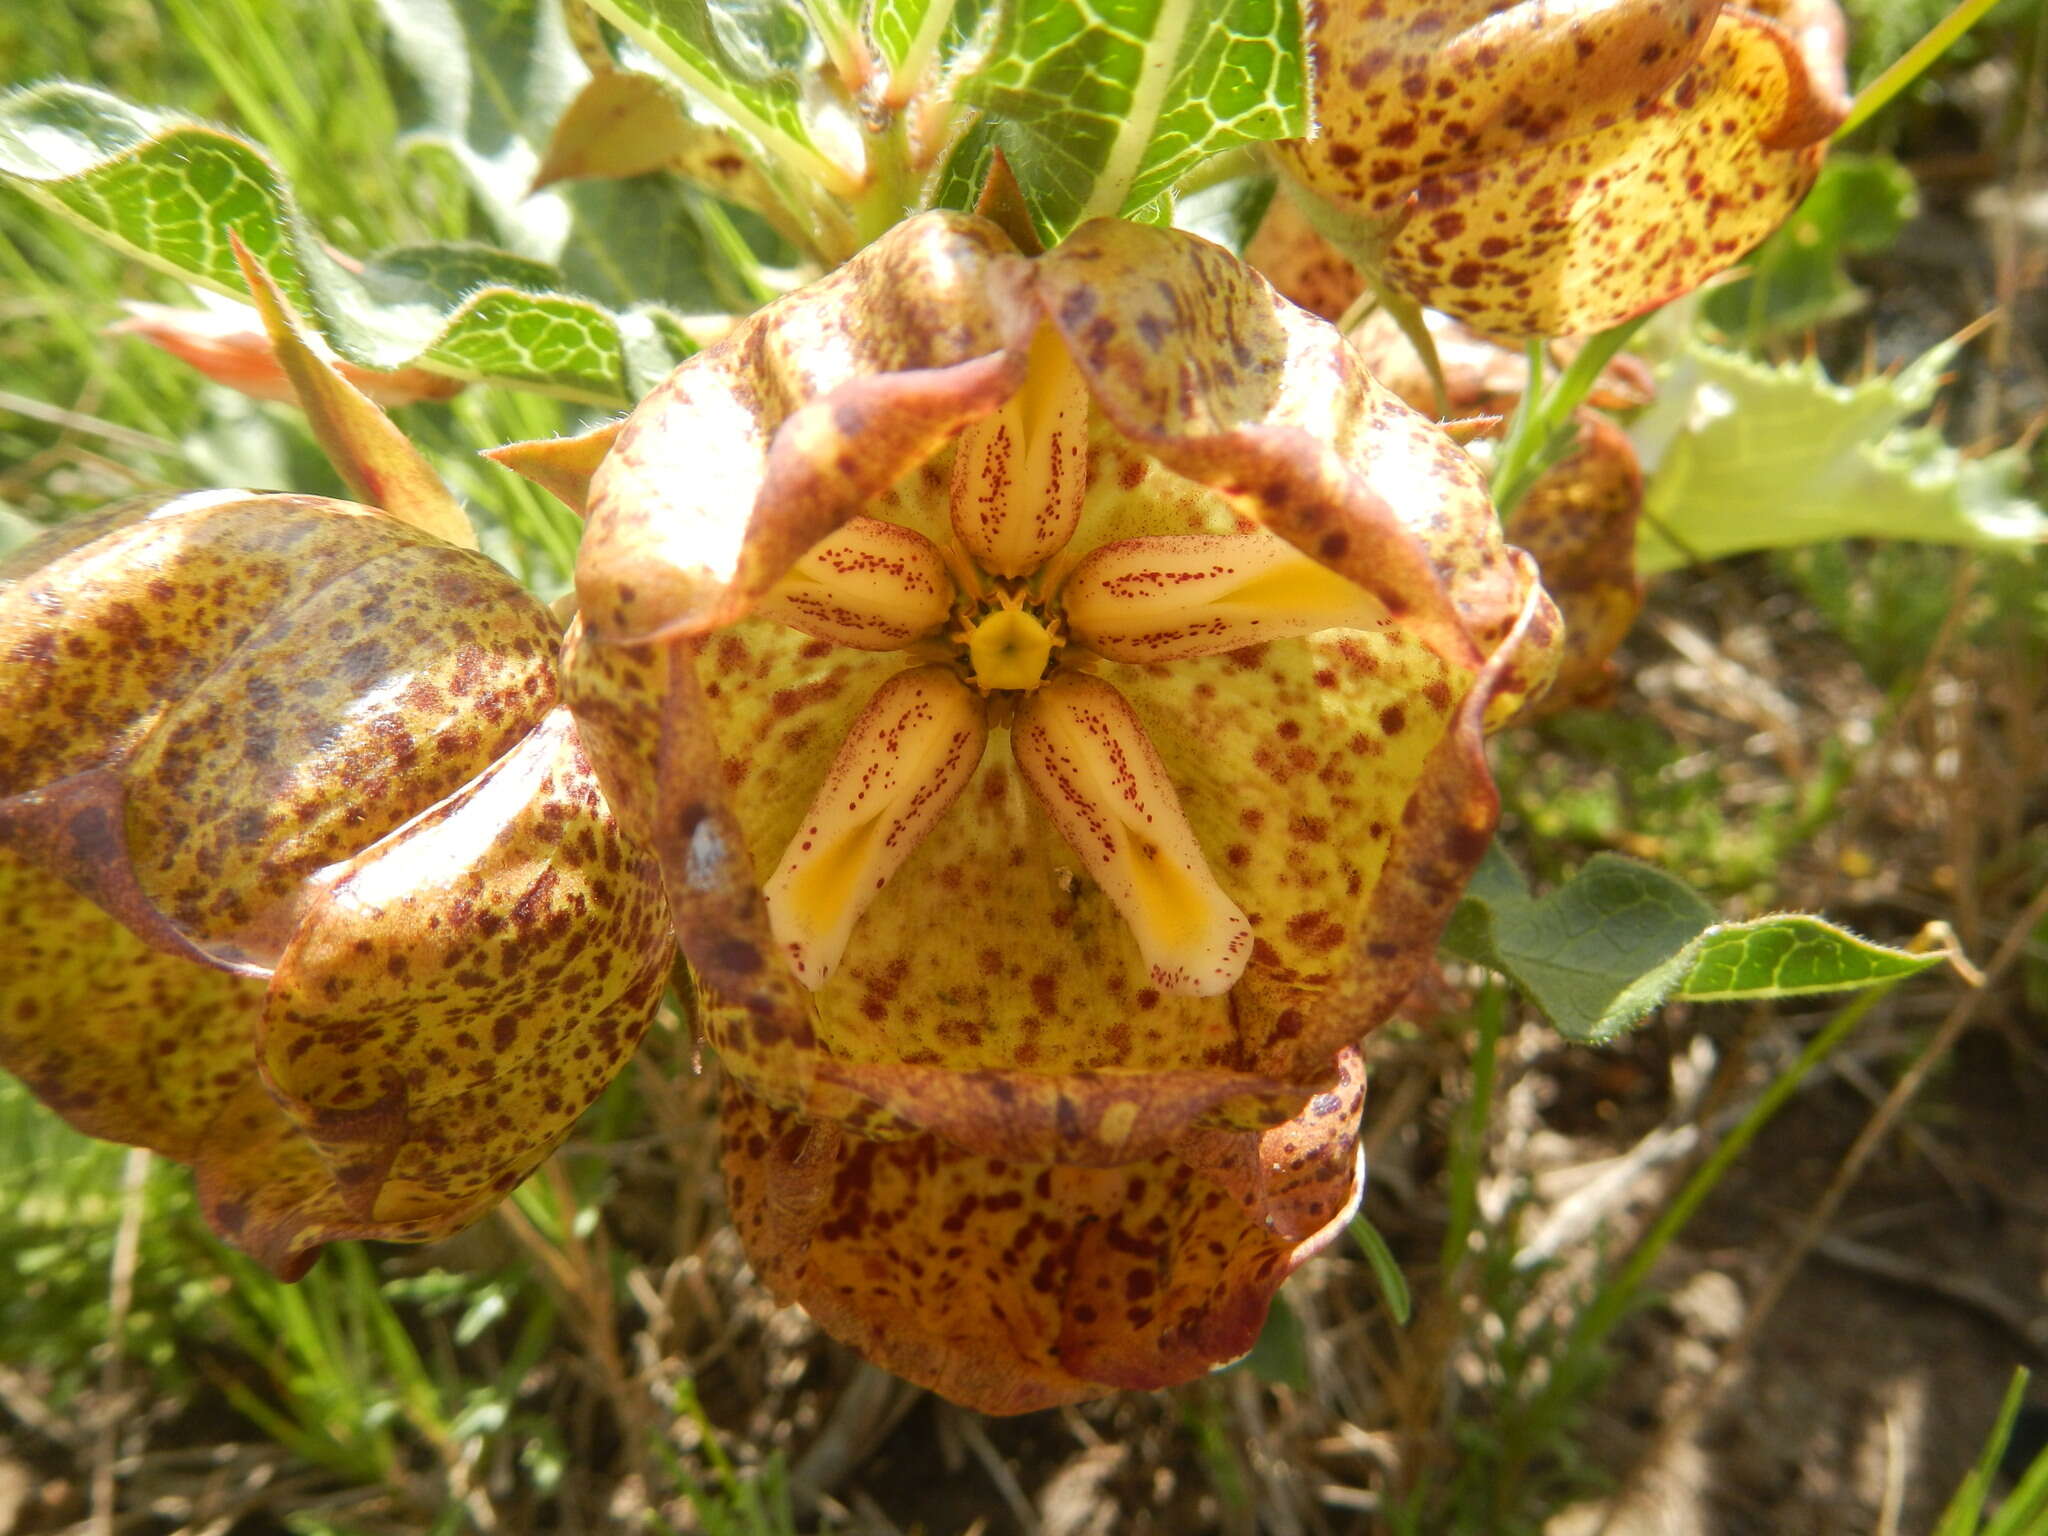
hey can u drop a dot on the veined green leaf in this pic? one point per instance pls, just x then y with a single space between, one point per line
745 59
1619 938
168 191
1744 455
1101 105
911 36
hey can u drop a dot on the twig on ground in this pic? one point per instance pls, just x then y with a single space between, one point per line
2028 1324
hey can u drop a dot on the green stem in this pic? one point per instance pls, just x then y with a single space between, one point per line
1469 1149
891 194
1538 436
1911 64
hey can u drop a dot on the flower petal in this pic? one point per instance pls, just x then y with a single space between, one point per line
465 988
1009 1286
1092 767
901 766
1019 474
1298 260
1269 406
1173 598
136 1046
642 710
1481 376
124 1042
873 585
758 447
1538 195
1579 523
1407 90
232 691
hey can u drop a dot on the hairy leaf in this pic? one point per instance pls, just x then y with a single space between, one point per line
1746 455
170 191
916 38
1101 107
1619 938
745 60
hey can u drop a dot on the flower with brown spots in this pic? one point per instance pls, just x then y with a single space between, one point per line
1543 170
1053 689
304 878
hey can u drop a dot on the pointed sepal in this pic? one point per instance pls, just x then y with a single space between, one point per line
374 459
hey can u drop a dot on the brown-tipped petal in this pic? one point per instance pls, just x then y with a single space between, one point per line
1579 522
903 763
1193 358
561 466
1010 1286
760 446
241 690
374 459
1173 598
1089 762
872 585
1822 33
1019 474
229 346
464 989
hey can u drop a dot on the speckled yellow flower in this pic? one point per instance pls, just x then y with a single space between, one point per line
1053 688
304 880
1541 169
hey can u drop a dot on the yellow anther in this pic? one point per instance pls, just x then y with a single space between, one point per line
1009 649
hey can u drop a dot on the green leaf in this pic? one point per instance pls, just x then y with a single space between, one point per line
495 78
168 191
746 58
912 35
960 179
1795 278
1602 950
1385 1268
1790 955
1967 1504
1745 455
1101 105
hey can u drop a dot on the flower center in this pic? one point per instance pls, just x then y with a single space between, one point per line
1010 648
